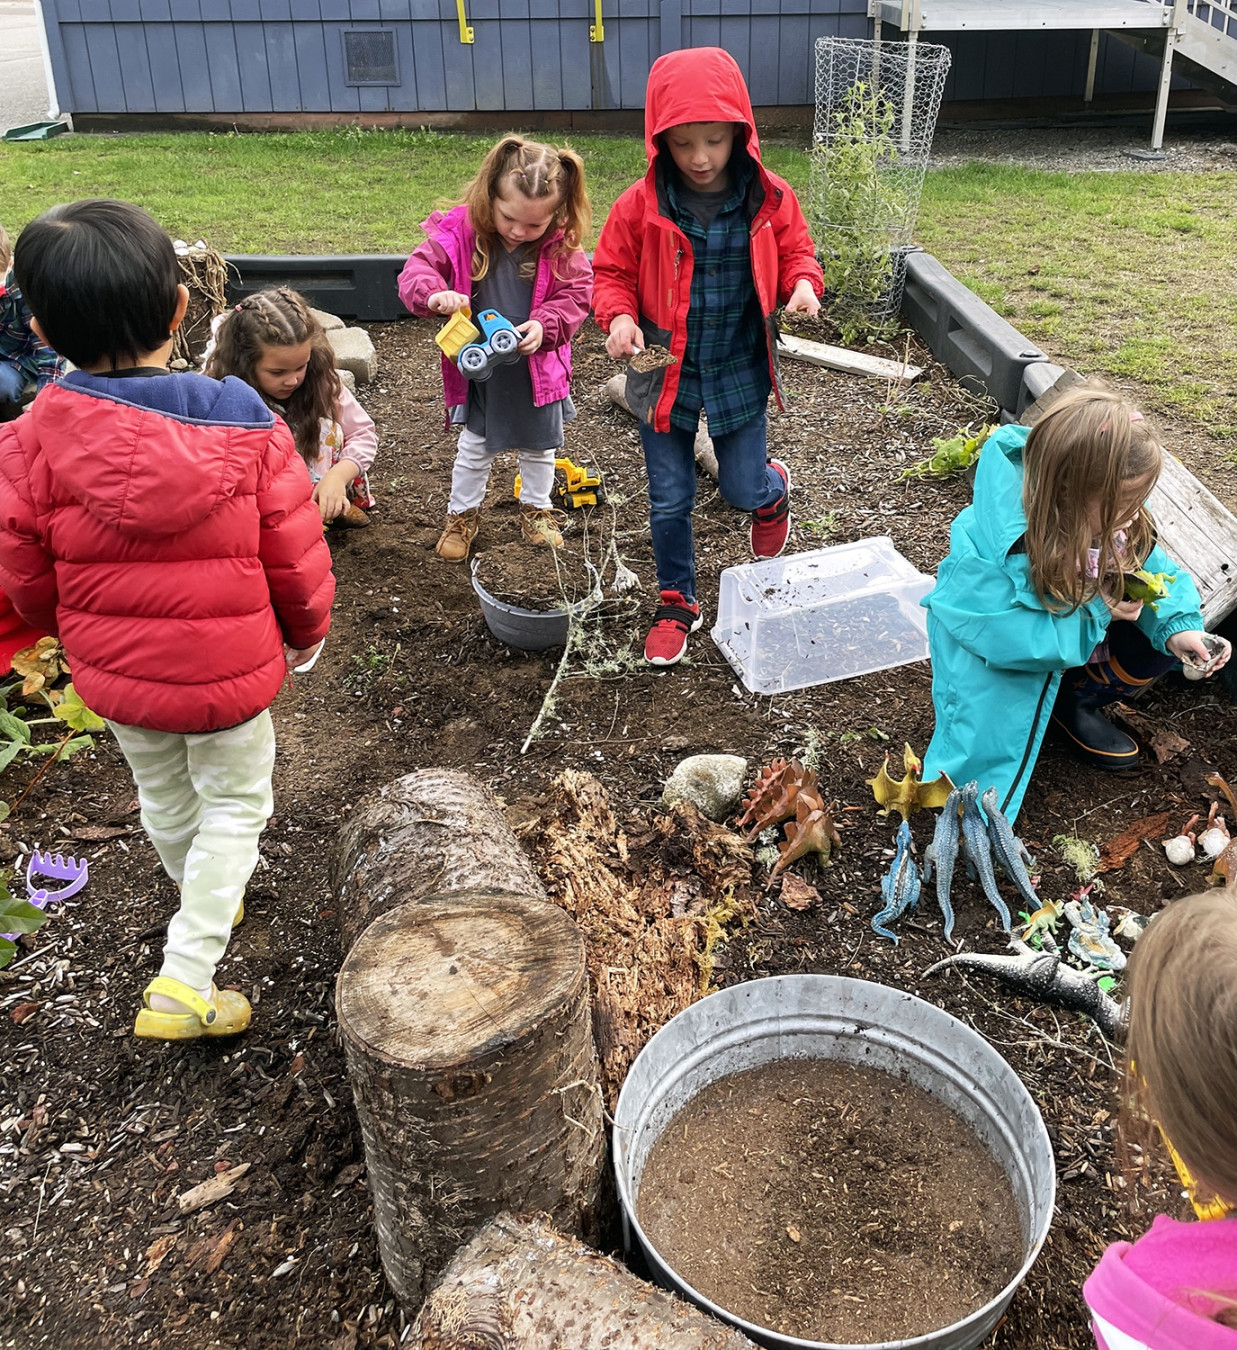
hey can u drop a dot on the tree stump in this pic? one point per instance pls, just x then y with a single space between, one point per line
433 831
465 1022
519 1285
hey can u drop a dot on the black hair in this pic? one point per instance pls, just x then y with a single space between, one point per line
100 276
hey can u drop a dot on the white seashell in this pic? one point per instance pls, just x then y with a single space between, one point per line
1179 851
1214 841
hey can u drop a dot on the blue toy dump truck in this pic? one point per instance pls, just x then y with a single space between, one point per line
497 346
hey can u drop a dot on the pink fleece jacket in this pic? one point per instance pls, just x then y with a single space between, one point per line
1153 1294
562 294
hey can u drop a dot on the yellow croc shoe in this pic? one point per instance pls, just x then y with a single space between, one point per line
240 914
226 1014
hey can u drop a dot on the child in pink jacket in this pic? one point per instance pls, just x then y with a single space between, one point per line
515 246
1176 1287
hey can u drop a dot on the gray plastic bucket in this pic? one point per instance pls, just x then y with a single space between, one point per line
858 1022
531 630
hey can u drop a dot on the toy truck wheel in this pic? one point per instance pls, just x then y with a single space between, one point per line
473 360
504 342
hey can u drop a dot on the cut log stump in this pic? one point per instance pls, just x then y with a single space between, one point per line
433 831
466 1027
519 1285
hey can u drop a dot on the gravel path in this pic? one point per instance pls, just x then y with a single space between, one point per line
1198 147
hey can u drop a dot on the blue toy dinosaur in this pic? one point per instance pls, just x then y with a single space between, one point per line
942 853
1008 850
979 851
899 886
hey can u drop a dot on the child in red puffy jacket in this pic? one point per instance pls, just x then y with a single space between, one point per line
163 527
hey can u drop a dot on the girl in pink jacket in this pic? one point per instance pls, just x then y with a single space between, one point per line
273 341
515 246
1176 1287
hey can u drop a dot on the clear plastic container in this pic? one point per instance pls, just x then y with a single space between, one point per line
829 614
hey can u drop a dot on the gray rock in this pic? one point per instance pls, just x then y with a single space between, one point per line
348 380
355 352
328 321
713 783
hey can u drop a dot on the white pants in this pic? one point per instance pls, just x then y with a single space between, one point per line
471 474
205 800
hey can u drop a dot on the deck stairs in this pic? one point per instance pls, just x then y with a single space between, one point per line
1201 33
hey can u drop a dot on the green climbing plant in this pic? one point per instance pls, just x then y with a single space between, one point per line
857 201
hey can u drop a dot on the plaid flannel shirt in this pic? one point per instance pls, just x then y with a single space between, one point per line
18 345
726 361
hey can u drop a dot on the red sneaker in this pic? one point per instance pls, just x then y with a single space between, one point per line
771 524
674 620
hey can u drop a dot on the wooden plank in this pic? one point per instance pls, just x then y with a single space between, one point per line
1199 532
841 358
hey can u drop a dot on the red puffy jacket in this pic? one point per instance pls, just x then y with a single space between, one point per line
163 528
643 263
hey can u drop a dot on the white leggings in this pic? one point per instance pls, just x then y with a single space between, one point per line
471 474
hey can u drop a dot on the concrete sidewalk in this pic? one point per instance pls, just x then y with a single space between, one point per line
23 83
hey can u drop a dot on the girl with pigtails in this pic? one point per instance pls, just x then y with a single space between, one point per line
515 245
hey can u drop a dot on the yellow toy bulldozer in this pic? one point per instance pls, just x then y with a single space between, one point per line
580 484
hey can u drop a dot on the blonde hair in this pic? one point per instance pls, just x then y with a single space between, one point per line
539 173
1181 1049
1090 448
6 252
281 317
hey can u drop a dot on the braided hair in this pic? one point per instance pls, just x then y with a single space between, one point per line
281 317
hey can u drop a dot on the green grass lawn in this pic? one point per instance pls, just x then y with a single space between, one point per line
1124 274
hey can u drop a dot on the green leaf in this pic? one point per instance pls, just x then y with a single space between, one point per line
74 713
12 728
7 951
20 916
9 750
76 744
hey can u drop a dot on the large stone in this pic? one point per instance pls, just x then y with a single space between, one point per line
355 352
348 380
713 783
328 321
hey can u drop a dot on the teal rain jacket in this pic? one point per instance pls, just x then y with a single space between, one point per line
997 653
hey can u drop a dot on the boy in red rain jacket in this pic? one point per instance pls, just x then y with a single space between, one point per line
162 526
696 257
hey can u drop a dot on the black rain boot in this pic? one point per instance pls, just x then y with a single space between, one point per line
1127 664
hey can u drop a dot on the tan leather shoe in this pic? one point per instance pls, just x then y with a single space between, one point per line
456 539
351 519
541 525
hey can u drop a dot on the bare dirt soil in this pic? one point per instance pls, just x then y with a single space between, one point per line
830 1202
99 1133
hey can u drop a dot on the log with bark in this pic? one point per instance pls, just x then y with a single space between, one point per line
466 1028
432 831
519 1285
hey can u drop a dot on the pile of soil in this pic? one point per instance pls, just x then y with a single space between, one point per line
100 1133
531 576
830 1202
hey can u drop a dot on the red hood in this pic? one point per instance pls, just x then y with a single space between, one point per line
699 84
138 470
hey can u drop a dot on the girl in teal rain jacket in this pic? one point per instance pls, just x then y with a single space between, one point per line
1027 623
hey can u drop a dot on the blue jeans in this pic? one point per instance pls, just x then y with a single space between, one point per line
744 479
12 382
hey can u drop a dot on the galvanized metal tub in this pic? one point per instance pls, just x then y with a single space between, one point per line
858 1022
531 630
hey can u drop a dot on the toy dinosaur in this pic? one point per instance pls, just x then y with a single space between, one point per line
1043 975
899 886
1089 939
909 794
772 798
1042 920
1008 851
811 831
942 853
978 851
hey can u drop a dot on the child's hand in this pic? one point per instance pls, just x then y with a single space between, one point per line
534 333
625 338
299 656
446 302
331 491
1129 610
1191 645
802 300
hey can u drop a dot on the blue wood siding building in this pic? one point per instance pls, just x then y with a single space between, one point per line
398 58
